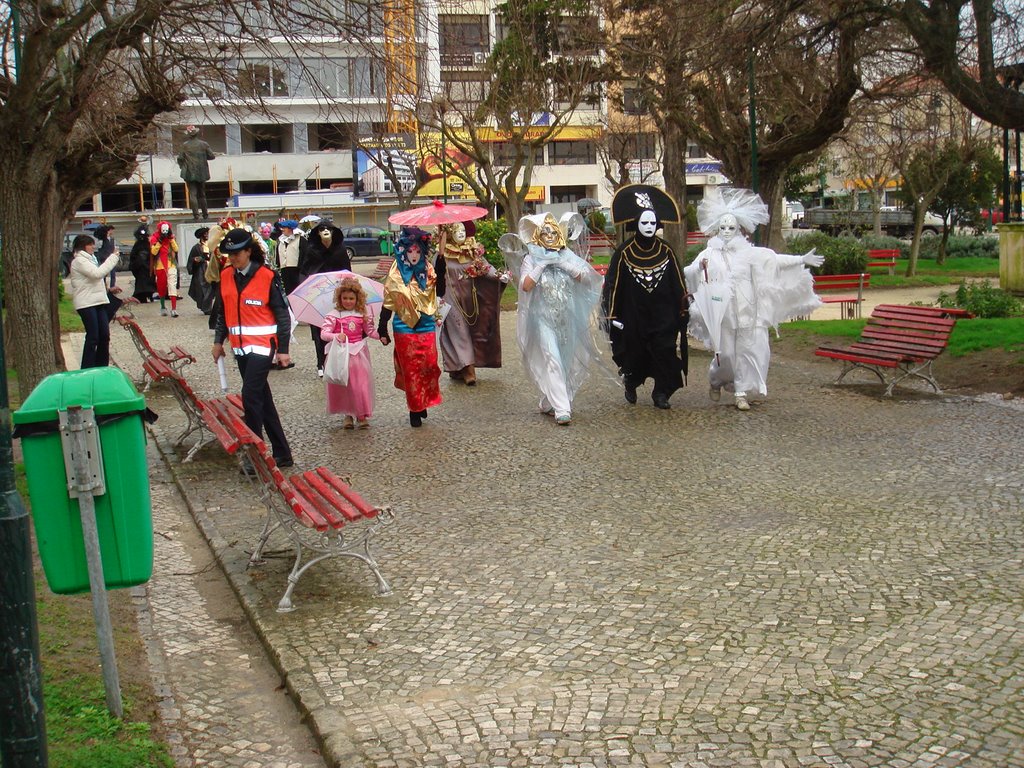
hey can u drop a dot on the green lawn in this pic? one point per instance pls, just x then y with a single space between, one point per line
952 271
1006 333
69 319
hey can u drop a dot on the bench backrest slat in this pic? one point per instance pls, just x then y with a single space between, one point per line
850 282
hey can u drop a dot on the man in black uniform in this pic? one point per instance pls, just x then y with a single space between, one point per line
253 315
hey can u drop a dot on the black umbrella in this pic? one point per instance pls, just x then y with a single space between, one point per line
587 204
633 199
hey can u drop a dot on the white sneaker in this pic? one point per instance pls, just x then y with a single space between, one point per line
319 373
715 393
174 313
163 313
741 403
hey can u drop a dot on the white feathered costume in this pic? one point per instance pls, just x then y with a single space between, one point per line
764 288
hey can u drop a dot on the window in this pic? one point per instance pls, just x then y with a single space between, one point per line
572 95
579 36
694 151
645 146
275 139
262 78
572 152
461 37
214 135
325 137
633 101
464 88
504 153
568 194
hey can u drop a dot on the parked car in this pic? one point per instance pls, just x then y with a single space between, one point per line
66 254
365 240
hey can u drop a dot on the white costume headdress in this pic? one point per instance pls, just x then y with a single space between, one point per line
747 206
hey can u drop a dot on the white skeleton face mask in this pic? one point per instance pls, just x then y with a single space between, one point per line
727 228
165 230
647 225
325 236
458 233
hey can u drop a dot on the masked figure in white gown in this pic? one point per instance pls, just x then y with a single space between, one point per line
761 288
558 297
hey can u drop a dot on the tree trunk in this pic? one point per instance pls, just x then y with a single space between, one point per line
770 190
915 244
673 166
32 222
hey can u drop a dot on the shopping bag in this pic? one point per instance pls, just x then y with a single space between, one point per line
336 365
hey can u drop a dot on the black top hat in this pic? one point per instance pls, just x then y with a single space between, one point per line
235 240
633 199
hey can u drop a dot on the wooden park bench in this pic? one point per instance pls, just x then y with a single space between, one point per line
851 302
383 267
191 405
317 510
883 257
176 357
905 339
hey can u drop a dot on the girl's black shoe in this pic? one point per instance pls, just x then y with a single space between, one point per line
415 419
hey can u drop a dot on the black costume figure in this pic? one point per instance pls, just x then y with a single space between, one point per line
644 298
322 251
198 259
138 263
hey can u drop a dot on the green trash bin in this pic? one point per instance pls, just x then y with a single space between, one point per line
123 514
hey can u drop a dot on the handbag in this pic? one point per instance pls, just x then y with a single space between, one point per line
336 365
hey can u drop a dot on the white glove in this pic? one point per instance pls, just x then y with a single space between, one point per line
812 259
505 277
536 272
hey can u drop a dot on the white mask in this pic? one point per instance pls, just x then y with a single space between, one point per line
325 236
459 233
727 228
647 225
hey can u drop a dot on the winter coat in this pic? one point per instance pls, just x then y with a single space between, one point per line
87 288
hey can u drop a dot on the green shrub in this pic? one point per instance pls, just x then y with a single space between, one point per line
843 255
596 221
487 234
982 299
961 246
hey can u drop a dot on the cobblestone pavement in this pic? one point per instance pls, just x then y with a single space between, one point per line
832 579
221 701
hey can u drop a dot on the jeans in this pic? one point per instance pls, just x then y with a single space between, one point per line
96 351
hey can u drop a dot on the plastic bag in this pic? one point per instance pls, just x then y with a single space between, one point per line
336 365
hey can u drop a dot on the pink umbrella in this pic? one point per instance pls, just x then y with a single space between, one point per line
437 213
314 297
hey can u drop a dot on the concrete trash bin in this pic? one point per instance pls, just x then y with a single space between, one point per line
123 513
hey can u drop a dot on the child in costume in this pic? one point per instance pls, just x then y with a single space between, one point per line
350 324
409 295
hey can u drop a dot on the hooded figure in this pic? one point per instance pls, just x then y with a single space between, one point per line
198 259
138 263
644 301
323 250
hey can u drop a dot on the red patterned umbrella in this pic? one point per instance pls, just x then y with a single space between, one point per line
437 213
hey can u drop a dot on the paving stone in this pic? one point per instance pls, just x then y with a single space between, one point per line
833 578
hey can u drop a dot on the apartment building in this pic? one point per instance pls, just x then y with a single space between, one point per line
322 99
